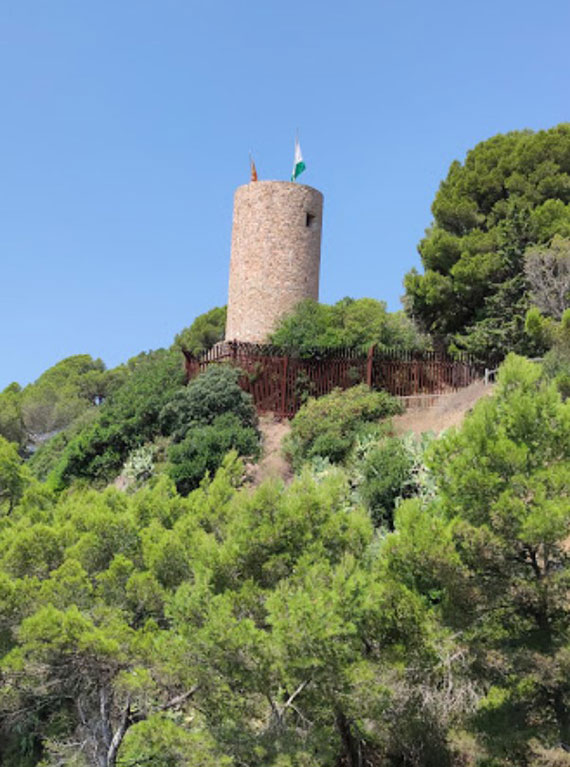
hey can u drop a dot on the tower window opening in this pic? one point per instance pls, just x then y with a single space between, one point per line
310 220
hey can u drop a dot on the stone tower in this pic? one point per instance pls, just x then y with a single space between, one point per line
276 254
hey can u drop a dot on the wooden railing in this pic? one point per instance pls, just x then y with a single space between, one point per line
281 382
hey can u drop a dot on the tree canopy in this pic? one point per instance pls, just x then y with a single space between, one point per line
512 192
350 322
206 330
59 396
124 422
327 621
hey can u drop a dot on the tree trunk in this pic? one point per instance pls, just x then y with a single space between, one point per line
562 718
351 745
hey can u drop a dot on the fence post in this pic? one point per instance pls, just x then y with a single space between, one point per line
370 365
284 388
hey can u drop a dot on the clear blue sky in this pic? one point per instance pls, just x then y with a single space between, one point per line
126 126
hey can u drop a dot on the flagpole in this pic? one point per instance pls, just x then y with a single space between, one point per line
295 155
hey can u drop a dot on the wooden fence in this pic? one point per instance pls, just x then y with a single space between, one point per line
281 383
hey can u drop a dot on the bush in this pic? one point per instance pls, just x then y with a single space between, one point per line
350 322
139 466
213 393
386 471
49 453
328 426
204 448
206 330
127 420
206 420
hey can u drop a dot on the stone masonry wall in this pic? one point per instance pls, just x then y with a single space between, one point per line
276 253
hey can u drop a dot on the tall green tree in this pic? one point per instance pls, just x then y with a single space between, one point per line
206 330
491 555
11 422
13 475
63 392
512 192
350 322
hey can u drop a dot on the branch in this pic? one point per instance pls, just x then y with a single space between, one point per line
534 563
279 711
179 699
129 718
298 691
119 735
104 715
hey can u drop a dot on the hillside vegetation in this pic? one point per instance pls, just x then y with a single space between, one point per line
398 603
401 602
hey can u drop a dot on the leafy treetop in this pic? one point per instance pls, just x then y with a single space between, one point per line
206 330
350 322
511 192
61 394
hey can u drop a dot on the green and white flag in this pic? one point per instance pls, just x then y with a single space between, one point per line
298 164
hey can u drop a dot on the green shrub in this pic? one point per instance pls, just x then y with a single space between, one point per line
386 471
350 322
211 394
206 330
204 448
127 420
328 426
49 453
206 420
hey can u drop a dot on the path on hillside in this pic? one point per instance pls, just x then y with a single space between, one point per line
448 410
272 463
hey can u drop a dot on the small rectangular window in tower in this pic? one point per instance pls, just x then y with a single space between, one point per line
310 221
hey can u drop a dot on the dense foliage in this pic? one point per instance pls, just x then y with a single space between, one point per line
206 420
60 395
206 330
127 420
511 193
273 627
13 475
207 397
349 322
328 426
493 548
386 468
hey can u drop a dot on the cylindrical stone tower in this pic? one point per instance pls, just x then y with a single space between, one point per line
276 254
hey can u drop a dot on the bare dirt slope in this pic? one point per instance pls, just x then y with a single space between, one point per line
448 410
272 463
